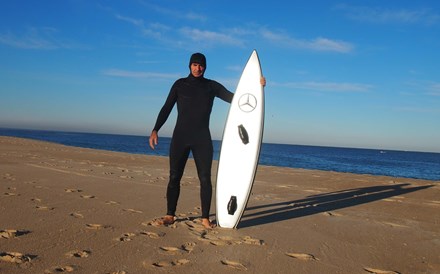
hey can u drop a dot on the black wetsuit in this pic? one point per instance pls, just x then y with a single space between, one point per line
194 97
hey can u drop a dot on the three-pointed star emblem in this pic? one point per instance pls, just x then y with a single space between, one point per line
247 102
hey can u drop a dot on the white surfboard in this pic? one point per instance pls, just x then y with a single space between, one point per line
240 149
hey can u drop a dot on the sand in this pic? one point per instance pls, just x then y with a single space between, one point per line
67 209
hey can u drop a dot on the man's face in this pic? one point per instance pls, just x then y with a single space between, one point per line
197 70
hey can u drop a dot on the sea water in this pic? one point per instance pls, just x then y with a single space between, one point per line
418 165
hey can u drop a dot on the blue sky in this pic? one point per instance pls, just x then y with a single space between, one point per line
339 73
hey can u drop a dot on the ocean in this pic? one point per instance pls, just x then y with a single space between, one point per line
417 165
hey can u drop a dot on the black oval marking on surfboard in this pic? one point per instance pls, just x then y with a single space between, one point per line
244 136
232 205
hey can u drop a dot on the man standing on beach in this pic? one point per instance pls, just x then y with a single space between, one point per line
194 96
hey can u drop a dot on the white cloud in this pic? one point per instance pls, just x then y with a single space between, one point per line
382 15
139 74
179 14
33 38
327 86
324 44
136 22
210 37
193 16
44 38
317 44
153 30
234 36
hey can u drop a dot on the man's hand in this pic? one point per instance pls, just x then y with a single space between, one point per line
153 139
263 81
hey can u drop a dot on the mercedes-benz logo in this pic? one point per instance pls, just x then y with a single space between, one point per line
247 102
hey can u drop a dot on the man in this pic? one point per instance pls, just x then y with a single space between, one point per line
194 96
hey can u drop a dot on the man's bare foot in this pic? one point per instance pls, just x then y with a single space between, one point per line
207 223
166 220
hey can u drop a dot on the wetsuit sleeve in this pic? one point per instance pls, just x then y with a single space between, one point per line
222 92
166 109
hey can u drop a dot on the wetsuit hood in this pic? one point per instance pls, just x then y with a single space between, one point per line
198 58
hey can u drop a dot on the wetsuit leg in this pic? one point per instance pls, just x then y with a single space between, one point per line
179 153
203 153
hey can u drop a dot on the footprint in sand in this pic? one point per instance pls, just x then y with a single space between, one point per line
16 257
158 222
78 254
88 196
96 226
252 241
172 263
11 194
225 240
77 215
170 250
12 233
8 176
72 190
37 200
66 268
234 264
194 226
43 208
188 247
220 243
126 237
218 240
180 262
153 235
126 177
302 256
379 271
111 203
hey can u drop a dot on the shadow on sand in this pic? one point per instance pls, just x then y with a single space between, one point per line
314 204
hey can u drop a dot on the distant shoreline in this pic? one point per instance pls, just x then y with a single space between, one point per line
216 140
418 165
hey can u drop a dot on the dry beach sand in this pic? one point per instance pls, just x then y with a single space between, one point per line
66 209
